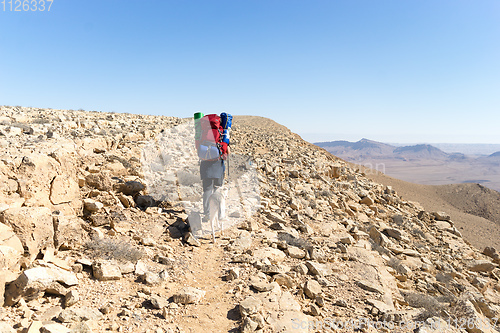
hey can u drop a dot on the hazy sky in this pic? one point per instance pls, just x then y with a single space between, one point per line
388 70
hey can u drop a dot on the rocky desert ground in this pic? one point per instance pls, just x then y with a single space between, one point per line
85 248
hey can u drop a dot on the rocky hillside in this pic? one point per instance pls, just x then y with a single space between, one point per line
85 248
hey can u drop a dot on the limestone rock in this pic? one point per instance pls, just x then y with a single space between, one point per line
272 254
100 181
492 253
481 266
262 286
233 273
318 269
295 252
92 206
284 280
242 242
367 201
34 281
151 278
366 285
69 232
158 302
71 298
293 321
249 326
64 189
132 187
250 306
78 314
312 289
189 295
464 308
53 327
104 270
33 226
379 237
191 240
11 249
441 216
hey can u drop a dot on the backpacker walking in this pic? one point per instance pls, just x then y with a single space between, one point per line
212 144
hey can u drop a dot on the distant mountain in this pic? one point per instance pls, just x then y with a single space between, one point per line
421 163
495 155
364 149
420 152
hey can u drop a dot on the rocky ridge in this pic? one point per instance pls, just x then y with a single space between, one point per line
84 248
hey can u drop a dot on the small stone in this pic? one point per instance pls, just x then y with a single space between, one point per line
313 310
312 289
148 241
71 298
158 302
318 269
295 252
54 328
189 295
348 240
481 266
92 206
369 286
441 216
284 280
106 271
320 301
77 314
250 306
342 303
191 240
249 326
151 278
262 286
301 269
233 273
367 201
380 306
106 309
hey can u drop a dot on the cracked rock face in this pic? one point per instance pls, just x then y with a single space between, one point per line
79 229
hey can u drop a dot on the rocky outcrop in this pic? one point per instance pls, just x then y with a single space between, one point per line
33 226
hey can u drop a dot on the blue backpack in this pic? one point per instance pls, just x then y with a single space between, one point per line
226 120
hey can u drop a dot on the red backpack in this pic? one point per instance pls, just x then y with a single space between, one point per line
210 145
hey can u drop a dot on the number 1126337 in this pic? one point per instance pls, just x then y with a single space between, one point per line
26 5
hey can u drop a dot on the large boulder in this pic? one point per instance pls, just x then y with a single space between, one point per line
34 175
33 226
35 281
69 232
11 248
64 189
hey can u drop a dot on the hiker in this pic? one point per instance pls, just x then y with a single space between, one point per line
212 177
212 143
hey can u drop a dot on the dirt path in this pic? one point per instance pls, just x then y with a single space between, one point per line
217 311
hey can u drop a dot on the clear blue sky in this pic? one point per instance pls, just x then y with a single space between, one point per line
388 70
